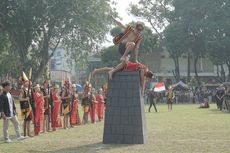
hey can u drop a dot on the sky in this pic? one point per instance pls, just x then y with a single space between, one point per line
122 9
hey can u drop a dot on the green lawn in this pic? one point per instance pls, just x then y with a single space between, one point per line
184 130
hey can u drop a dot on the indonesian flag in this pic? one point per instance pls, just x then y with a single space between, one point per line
160 86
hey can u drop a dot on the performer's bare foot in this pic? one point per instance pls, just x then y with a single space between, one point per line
110 75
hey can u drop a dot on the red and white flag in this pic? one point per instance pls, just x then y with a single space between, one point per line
160 86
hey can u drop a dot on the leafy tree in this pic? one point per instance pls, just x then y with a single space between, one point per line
37 27
8 59
155 12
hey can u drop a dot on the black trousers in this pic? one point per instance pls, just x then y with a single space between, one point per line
219 103
152 103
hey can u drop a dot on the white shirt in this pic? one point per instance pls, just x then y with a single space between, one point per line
10 100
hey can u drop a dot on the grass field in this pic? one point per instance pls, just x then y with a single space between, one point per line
184 130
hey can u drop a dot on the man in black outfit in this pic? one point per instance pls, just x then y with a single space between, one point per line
151 100
220 98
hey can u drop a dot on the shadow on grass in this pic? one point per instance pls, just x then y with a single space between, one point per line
89 148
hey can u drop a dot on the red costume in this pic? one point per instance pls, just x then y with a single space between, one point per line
130 66
100 109
56 120
39 102
74 116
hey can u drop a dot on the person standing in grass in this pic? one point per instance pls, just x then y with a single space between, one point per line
220 98
74 115
100 108
66 97
39 102
46 119
151 99
87 100
56 120
8 113
170 96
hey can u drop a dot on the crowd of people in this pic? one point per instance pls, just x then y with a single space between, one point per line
201 96
43 106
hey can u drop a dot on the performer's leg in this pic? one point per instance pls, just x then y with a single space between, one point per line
128 48
24 127
28 128
117 68
150 106
221 105
142 83
5 129
101 70
64 118
15 122
154 104
44 124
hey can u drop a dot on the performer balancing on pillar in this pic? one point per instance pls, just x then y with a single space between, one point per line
129 40
25 106
128 66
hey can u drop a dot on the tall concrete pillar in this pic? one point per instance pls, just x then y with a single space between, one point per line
124 116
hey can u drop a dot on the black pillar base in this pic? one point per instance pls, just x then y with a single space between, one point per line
124 116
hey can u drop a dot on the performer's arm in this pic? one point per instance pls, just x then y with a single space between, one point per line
142 83
119 23
136 49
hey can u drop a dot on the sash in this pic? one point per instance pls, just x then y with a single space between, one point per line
118 38
25 108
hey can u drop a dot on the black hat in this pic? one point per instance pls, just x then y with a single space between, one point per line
5 83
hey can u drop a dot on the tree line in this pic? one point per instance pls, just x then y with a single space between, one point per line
31 31
192 27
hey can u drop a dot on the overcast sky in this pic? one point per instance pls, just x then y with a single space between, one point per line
122 8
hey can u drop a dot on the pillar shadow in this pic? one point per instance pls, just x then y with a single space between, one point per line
89 148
